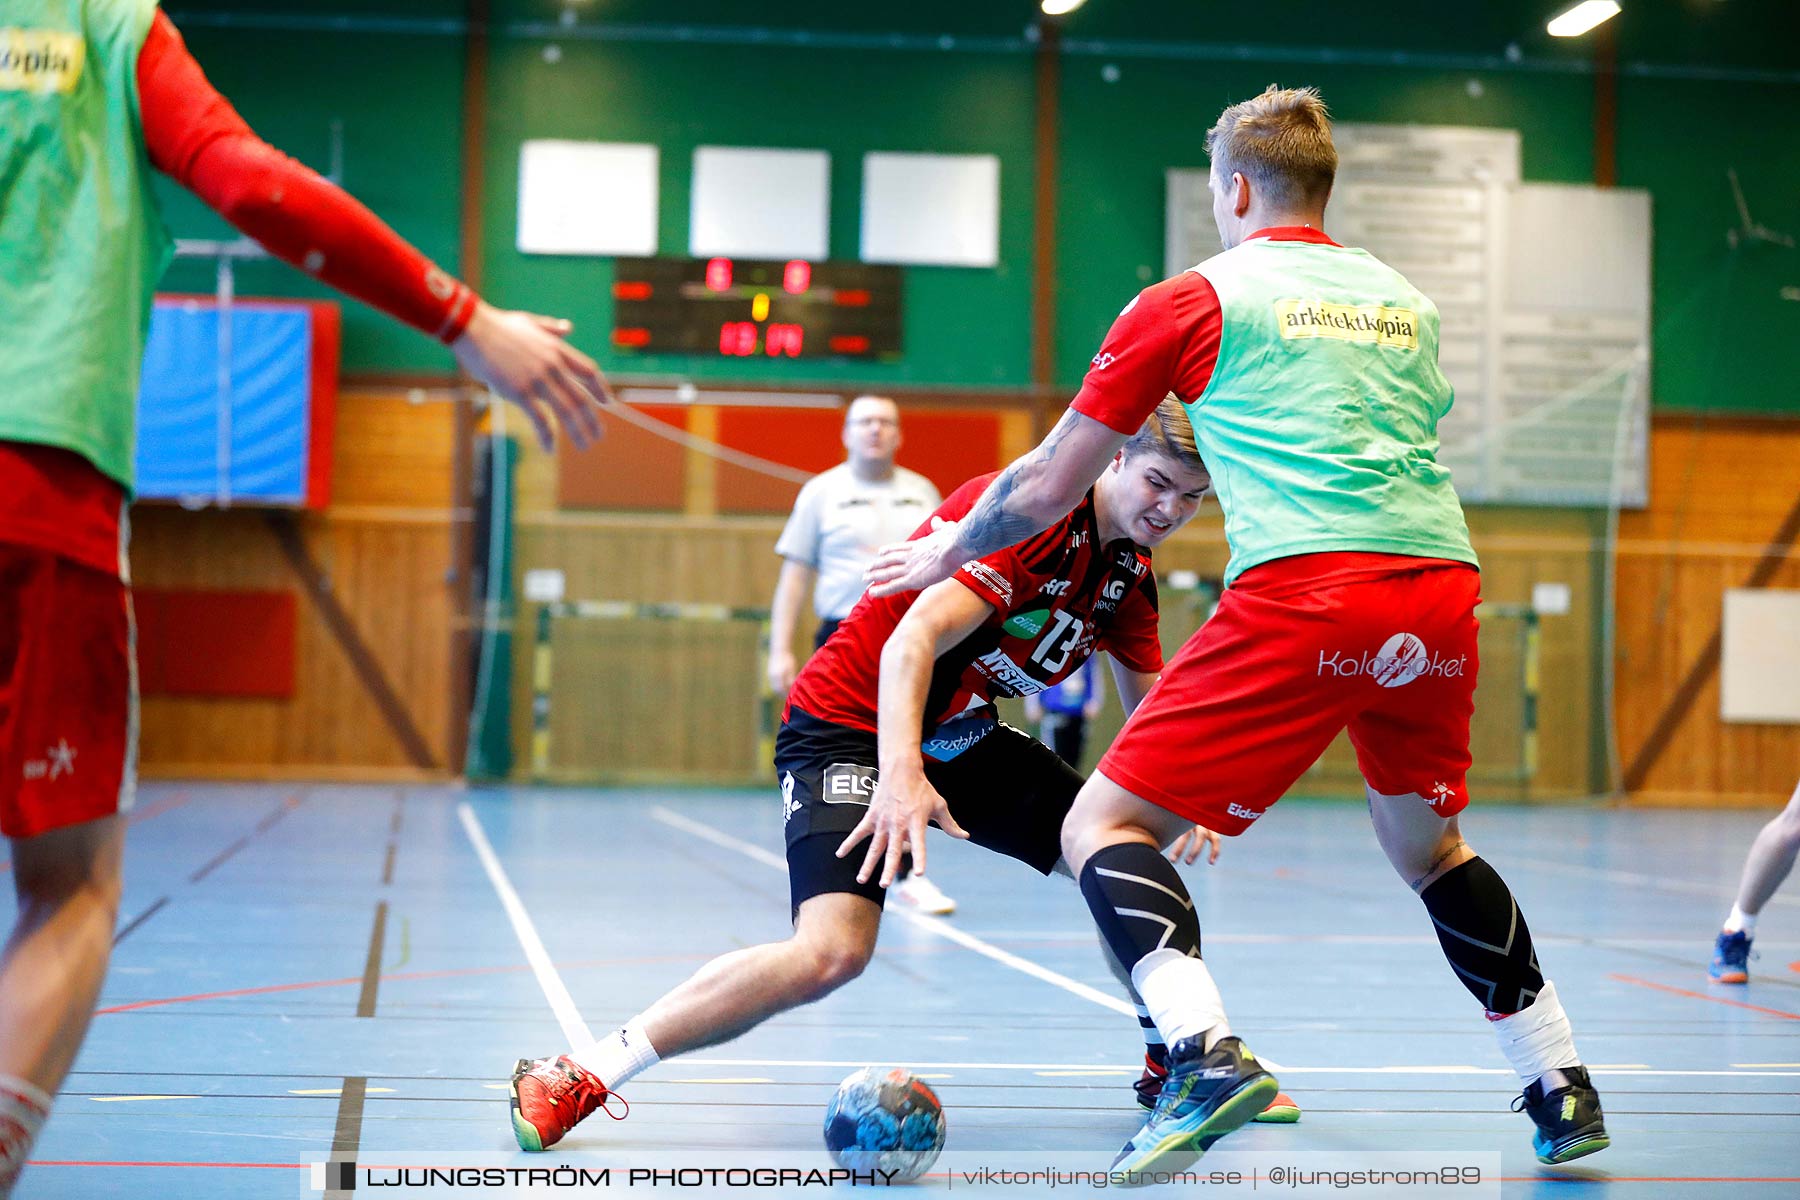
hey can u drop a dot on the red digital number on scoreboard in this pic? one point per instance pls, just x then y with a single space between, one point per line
785 339
741 339
737 338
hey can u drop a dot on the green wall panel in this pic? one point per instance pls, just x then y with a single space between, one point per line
400 101
1724 337
963 326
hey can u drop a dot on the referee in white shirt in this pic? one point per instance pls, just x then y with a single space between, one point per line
839 520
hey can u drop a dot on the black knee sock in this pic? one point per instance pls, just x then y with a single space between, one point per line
1139 903
1484 936
1155 1049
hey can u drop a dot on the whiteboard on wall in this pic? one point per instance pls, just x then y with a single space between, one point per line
757 203
587 197
1759 656
931 209
1542 294
1571 422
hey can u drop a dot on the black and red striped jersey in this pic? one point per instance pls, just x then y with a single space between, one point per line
1057 597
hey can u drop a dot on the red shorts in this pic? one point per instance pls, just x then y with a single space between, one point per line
68 693
1299 649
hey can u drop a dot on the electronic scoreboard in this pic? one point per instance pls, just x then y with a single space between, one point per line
741 308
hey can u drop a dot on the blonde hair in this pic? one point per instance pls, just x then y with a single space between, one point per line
1281 142
1168 431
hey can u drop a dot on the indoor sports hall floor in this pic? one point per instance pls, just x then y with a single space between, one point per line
303 969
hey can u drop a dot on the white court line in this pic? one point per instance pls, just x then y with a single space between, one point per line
1722 892
932 925
1346 939
575 1030
1387 1070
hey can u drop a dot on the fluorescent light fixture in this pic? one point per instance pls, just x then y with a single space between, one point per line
1057 8
1574 22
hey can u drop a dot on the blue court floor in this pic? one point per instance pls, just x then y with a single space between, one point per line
313 972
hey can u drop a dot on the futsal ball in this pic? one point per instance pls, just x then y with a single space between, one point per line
885 1120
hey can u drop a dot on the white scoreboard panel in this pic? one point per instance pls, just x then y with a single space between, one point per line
1543 292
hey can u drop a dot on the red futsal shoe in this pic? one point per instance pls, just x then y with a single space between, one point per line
550 1096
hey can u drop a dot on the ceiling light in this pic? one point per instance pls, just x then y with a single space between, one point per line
1057 8
1574 22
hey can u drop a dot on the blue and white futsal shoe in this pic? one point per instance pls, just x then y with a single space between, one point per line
1731 959
1207 1094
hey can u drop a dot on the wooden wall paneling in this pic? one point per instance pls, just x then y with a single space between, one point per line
650 700
385 546
1719 491
701 496
1732 490
394 449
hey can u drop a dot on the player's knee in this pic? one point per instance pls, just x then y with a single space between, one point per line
830 966
66 892
67 870
59 880
1787 821
833 953
1080 838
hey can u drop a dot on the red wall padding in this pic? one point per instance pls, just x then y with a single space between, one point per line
632 469
215 643
629 468
945 447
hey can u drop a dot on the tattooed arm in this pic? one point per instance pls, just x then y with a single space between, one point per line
1027 497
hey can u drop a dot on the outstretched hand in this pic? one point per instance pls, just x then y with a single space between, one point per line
899 811
915 565
523 358
1188 846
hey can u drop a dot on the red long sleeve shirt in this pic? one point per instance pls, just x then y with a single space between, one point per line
55 500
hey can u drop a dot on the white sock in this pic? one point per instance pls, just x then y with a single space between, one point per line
1537 1038
1147 1026
1181 996
23 1109
620 1056
1741 922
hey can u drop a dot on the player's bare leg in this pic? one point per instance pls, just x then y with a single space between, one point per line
834 938
1770 860
67 882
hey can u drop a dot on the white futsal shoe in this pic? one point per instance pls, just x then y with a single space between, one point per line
922 896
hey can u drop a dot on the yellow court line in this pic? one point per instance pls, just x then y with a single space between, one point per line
1754 1066
336 1091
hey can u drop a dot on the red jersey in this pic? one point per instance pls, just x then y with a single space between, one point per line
1057 597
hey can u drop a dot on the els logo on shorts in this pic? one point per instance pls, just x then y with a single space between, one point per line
848 783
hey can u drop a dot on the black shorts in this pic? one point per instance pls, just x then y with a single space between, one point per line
1009 791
